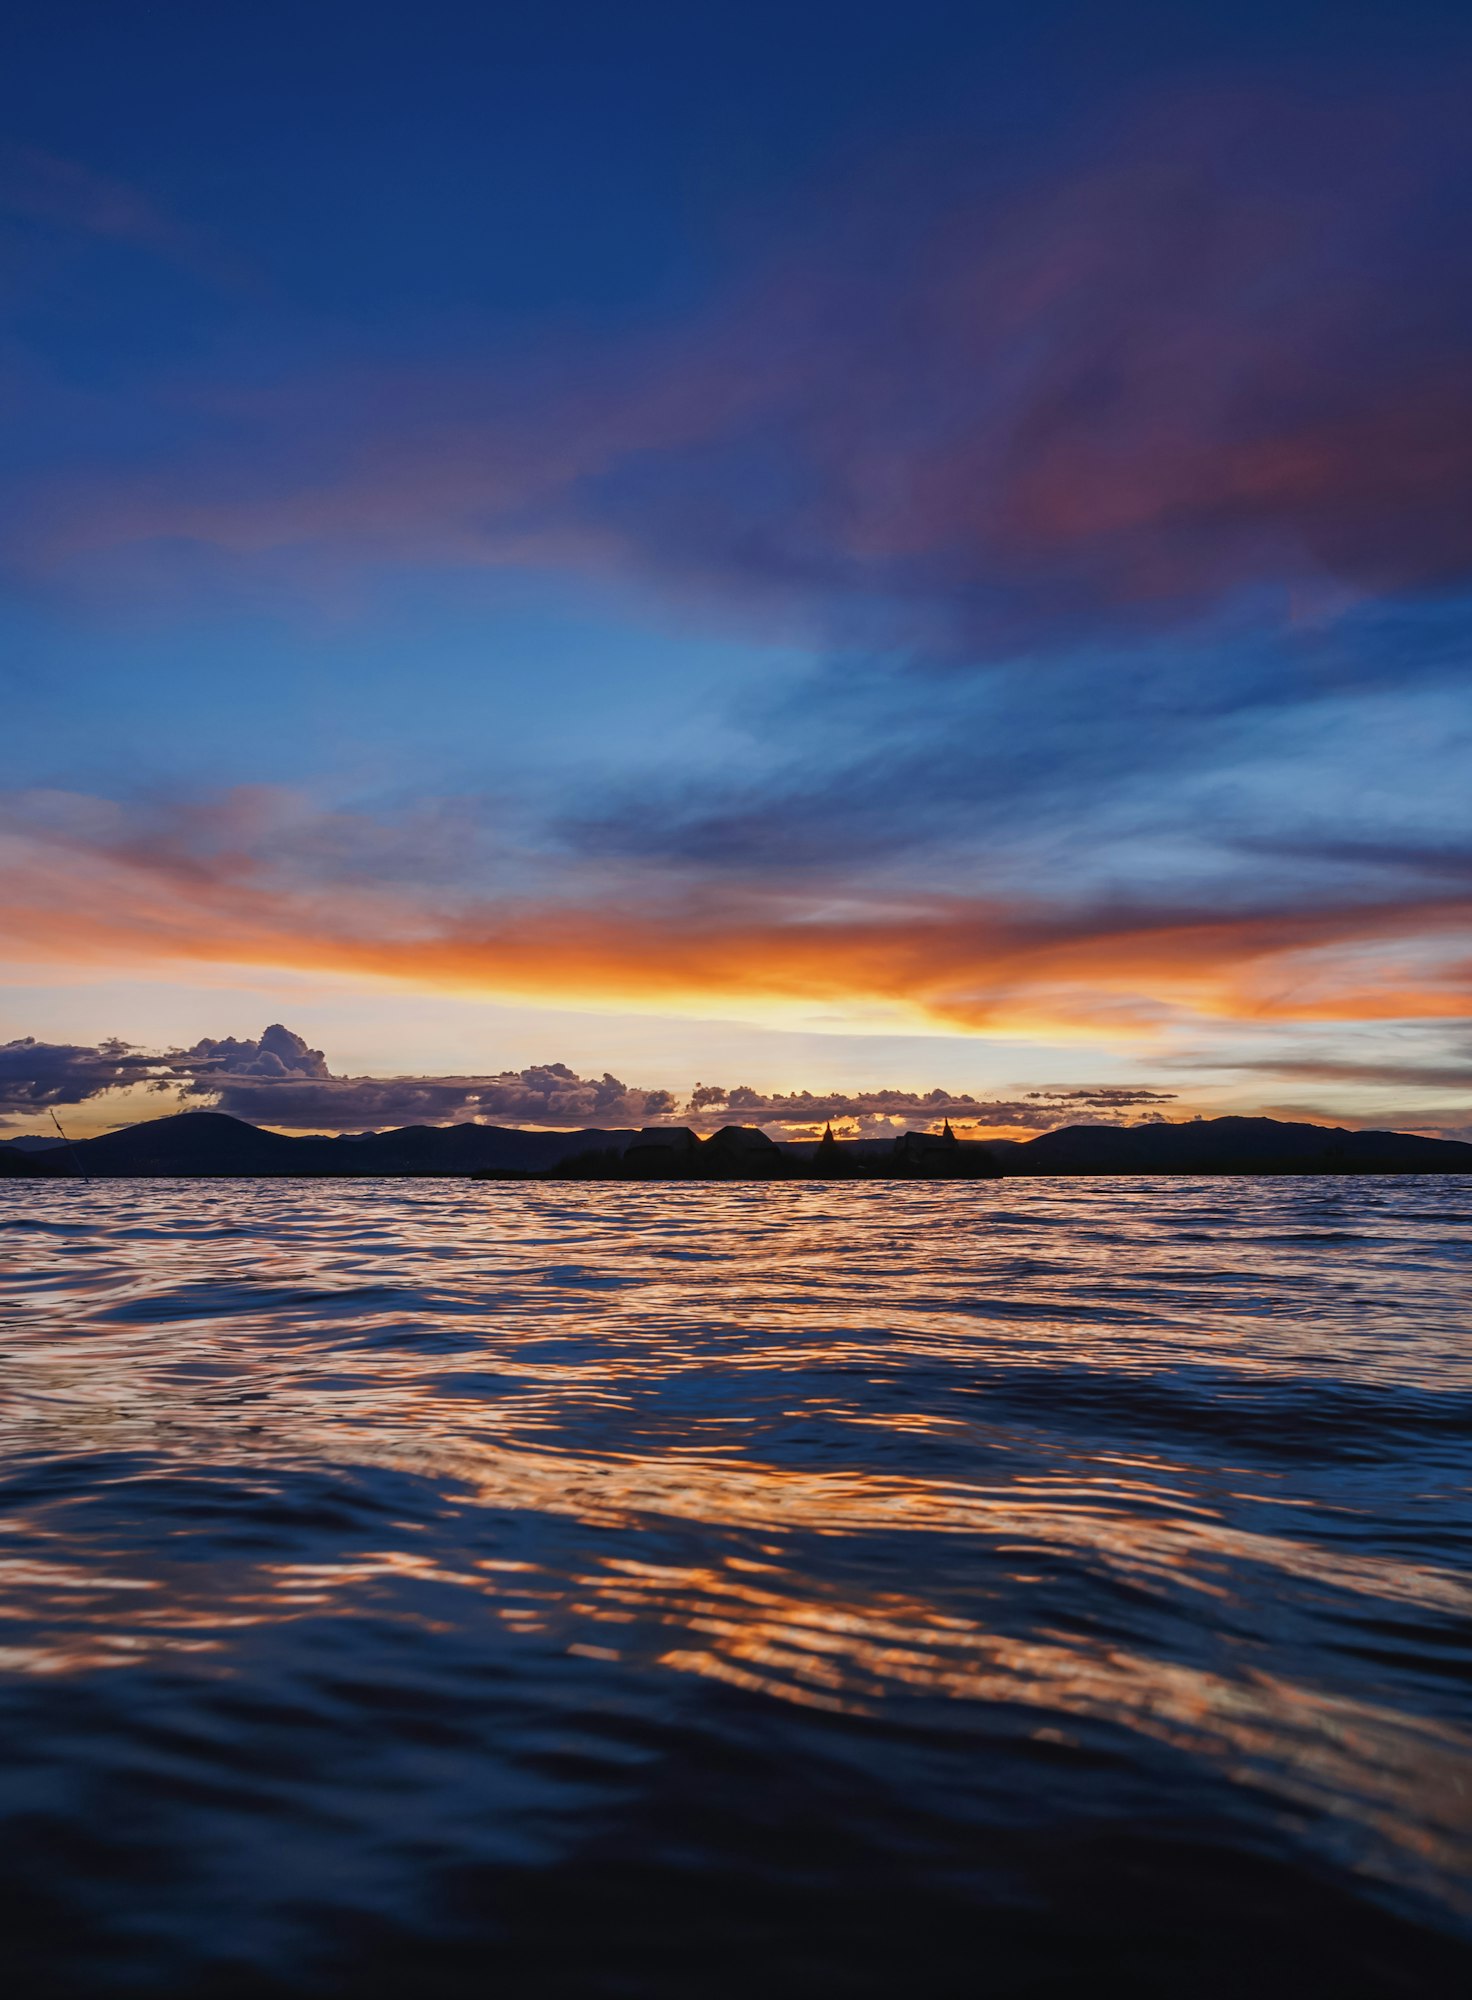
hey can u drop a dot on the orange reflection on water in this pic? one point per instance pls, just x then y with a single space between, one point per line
1411 1780
717 1424
765 1627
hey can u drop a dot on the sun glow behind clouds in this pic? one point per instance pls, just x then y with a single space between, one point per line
1009 585
100 889
213 889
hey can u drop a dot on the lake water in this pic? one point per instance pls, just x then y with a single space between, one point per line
1035 1587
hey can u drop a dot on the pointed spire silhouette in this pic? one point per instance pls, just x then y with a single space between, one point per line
829 1157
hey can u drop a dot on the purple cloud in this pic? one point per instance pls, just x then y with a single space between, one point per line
278 1080
968 416
37 1076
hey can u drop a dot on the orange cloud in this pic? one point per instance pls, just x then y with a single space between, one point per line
86 899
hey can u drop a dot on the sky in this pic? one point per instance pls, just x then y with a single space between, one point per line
593 564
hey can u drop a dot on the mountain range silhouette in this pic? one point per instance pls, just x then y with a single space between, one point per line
212 1144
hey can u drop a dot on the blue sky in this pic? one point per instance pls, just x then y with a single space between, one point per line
830 549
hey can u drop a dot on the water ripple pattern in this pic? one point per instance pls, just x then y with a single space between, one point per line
1031 1587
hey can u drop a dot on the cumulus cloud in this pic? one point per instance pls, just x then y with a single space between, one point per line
278 1053
278 1080
549 1094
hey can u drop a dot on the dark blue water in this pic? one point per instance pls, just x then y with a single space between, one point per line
1036 1588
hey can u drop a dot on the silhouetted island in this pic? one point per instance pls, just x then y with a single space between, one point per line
208 1143
743 1153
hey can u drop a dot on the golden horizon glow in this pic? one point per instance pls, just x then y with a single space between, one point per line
972 966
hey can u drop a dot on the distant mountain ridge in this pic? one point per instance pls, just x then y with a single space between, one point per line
211 1144
1234 1146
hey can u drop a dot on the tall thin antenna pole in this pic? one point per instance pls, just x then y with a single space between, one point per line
71 1151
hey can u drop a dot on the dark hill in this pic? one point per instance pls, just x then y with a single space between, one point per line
197 1143
456 1149
1234 1146
200 1143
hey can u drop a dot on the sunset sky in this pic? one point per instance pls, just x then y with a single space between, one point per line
595 549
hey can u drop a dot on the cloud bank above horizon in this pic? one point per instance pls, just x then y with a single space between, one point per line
277 1080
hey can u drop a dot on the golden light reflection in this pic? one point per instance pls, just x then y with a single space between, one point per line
770 1630
415 1373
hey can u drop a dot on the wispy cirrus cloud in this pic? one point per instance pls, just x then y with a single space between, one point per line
88 884
1406 1074
44 187
61 193
1113 390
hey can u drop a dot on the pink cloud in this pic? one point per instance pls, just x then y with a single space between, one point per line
1176 368
89 885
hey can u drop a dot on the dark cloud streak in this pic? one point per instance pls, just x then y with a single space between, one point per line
40 1076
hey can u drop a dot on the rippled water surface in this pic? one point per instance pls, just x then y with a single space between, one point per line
1024 1587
